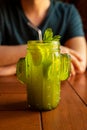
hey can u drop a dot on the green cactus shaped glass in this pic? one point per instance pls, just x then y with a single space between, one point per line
42 70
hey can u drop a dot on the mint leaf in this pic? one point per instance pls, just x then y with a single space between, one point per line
48 36
56 38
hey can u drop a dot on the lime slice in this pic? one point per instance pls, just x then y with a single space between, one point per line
36 54
21 70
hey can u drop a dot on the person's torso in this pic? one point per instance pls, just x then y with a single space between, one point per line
15 29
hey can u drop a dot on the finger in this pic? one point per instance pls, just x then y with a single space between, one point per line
77 55
63 50
78 66
75 61
70 51
72 70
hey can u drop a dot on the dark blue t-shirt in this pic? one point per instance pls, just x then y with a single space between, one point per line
63 18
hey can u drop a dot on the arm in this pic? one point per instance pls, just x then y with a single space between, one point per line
10 54
76 47
8 70
75 43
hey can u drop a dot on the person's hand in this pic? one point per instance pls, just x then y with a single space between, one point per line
77 64
8 70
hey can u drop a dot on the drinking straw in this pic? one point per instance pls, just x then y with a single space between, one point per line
36 29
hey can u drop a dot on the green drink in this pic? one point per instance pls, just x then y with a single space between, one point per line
41 71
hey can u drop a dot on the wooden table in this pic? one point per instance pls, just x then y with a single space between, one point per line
70 114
